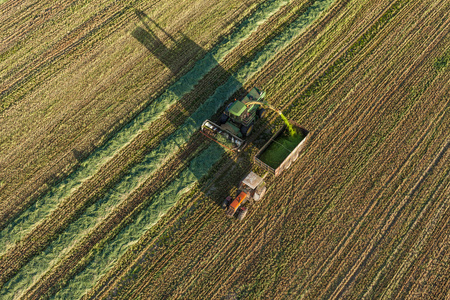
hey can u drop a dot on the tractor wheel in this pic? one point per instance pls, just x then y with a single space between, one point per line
223 119
261 113
226 202
246 130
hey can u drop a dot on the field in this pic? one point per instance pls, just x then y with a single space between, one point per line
109 190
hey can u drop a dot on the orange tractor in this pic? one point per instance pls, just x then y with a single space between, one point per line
251 188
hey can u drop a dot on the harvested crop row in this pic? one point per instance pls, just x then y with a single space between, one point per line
362 189
429 273
383 160
320 48
375 174
390 271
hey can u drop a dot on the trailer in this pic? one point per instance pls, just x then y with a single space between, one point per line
281 151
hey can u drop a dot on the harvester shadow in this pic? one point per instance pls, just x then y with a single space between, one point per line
206 100
172 51
175 52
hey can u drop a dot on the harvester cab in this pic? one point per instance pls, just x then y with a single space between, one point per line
236 122
252 187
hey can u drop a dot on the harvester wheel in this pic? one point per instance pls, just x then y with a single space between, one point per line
223 119
246 130
261 113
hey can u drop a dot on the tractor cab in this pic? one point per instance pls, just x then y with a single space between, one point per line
253 185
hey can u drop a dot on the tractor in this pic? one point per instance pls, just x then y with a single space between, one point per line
236 122
251 188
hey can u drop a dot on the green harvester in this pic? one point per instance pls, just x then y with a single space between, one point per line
237 121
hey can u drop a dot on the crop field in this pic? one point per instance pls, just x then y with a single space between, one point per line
108 189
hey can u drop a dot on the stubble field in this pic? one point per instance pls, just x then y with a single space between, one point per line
108 190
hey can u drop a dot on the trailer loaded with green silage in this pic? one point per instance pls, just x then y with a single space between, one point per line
282 149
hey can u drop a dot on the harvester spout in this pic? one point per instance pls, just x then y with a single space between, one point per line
264 104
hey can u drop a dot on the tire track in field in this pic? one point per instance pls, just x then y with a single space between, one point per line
312 78
36 15
313 255
432 279
344 239
384 230
433 257
414 149
141 123
417 144
373 109
66 44
425 234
